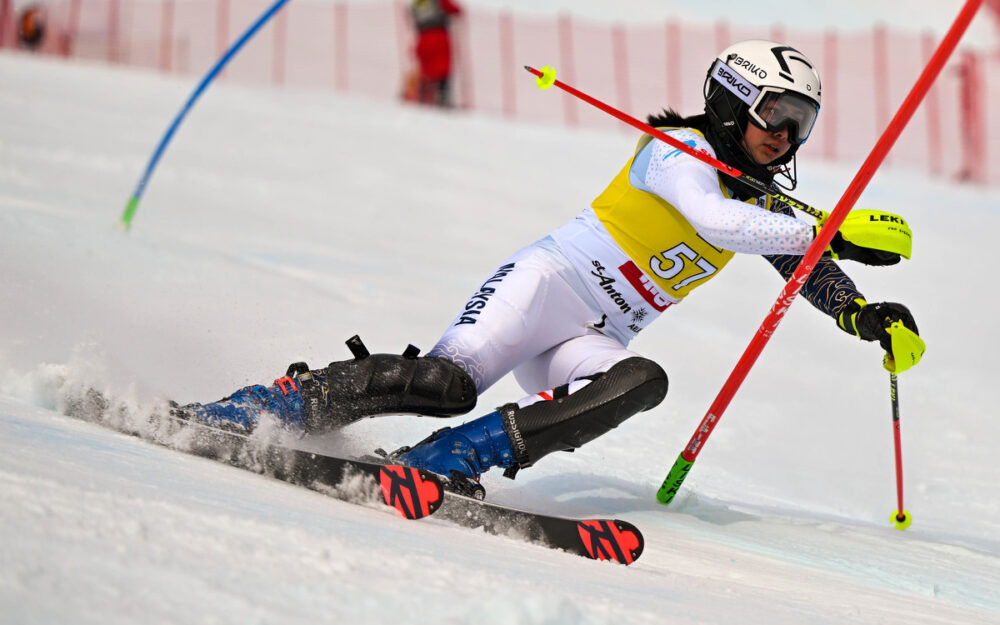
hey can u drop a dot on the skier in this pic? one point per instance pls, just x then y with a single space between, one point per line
561 312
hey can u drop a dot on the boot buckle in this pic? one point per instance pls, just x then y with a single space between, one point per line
289 381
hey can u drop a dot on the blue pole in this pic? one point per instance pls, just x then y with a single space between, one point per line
133 203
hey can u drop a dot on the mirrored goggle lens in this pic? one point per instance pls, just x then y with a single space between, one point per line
776 111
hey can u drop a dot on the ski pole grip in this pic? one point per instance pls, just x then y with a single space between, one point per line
668 490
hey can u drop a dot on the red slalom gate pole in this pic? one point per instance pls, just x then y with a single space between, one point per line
678 473
546 78
682 466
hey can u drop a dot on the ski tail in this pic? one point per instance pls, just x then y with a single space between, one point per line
413 493
618 541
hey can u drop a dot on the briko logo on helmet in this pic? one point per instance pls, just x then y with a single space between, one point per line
739 86
772 85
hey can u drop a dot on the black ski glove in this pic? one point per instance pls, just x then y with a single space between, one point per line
869 321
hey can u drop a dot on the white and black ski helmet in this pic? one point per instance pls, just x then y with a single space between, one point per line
768 83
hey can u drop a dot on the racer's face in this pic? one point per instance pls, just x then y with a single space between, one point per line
765 146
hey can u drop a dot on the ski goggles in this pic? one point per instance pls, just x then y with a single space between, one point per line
777 109
770 108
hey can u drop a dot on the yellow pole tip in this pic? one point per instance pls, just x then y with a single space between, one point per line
901 524
547 79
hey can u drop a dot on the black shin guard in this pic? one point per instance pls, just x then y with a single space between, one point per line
374 384
565 423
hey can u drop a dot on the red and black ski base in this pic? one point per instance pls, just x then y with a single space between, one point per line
413 493
599 539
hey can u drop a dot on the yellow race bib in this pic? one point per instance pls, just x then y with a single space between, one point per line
656 236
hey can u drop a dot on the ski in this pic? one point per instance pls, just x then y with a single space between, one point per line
598 539
413 493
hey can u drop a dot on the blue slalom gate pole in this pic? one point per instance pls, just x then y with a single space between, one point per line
133 202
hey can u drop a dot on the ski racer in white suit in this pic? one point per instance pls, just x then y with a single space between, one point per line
561 312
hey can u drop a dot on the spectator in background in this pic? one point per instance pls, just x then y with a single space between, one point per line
433 50
31 26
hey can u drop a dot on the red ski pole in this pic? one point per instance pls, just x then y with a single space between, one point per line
547 78
682 466
901 519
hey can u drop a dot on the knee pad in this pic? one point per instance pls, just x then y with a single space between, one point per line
570 420
374 384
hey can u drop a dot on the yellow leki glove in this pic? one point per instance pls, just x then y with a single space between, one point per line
871 237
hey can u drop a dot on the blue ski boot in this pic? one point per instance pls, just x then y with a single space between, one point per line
462 453
241 411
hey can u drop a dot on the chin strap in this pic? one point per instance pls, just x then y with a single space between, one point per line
787 170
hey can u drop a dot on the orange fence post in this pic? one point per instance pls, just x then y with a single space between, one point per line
340 46
167 36
829 117
508 98
567 66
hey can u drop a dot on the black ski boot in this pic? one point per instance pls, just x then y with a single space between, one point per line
375 384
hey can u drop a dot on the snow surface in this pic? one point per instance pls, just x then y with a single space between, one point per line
280 224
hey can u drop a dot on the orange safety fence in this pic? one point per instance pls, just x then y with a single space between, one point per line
366 49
